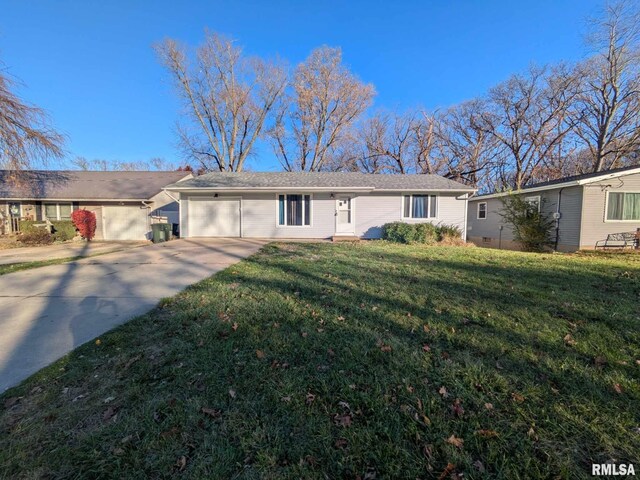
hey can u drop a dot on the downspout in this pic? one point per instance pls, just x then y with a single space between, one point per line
148 207
557 218
466 214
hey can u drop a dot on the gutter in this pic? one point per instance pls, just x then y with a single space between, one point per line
557 219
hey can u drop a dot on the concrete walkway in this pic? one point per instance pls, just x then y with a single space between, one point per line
47 312
63 250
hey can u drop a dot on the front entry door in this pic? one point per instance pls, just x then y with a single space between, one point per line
345 224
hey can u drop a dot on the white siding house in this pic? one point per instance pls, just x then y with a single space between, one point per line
314 205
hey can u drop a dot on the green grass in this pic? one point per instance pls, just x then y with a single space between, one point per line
16 267
351 361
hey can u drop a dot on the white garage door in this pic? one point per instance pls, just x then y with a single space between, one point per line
213 217
125 222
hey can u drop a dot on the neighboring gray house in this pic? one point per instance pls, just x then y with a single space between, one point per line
314 205
125 203
587 209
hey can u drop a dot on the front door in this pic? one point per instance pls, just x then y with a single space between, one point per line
345 215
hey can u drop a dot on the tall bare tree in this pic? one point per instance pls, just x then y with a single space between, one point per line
26 134
607 110
528 118
463 139
326 100
227 99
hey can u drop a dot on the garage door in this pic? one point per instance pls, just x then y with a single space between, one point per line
125 222
213 217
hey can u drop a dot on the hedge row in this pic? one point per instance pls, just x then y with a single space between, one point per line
427 233
63 230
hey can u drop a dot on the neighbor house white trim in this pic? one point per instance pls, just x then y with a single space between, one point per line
606 207
572 183
485 211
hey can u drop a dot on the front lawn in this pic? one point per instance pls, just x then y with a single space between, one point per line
352 361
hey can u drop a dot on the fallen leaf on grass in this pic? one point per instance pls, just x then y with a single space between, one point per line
343 420
457 408
304 334
488 406
447 471
532 434
341 443
600 361
569 340
232 393
310 398
478 465
385 348
234 327
108 414
286 399
211 412
617 388
455 441
487 433
426 348
517 397
259 354
443 392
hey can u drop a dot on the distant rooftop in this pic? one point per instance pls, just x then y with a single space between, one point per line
84 185
319 181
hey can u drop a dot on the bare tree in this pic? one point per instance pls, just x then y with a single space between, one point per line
227 99
25 131
607 110
528 118
471 152
325 102
98 164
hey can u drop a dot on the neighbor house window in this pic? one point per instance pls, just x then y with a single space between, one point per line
420 206
482 210
57 211
623 207
294 210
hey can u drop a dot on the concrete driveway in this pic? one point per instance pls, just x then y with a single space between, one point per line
63 250
47 312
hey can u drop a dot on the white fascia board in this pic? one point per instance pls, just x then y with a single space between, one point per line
573 183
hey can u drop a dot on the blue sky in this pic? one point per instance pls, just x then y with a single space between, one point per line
91 64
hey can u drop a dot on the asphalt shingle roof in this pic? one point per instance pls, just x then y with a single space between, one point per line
319 180
84 185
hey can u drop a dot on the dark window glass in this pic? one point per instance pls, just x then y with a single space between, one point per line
407 206
294 210
307 210
281 210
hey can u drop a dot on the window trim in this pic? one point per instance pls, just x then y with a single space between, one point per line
428 195
536 198
285 210
486 211
57 204
606 207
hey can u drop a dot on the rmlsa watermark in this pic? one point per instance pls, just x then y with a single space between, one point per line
607 469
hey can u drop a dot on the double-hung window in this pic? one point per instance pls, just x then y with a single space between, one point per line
623 207
294 210
482 210
57 211
420 206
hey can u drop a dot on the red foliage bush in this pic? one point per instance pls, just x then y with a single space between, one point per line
85 222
